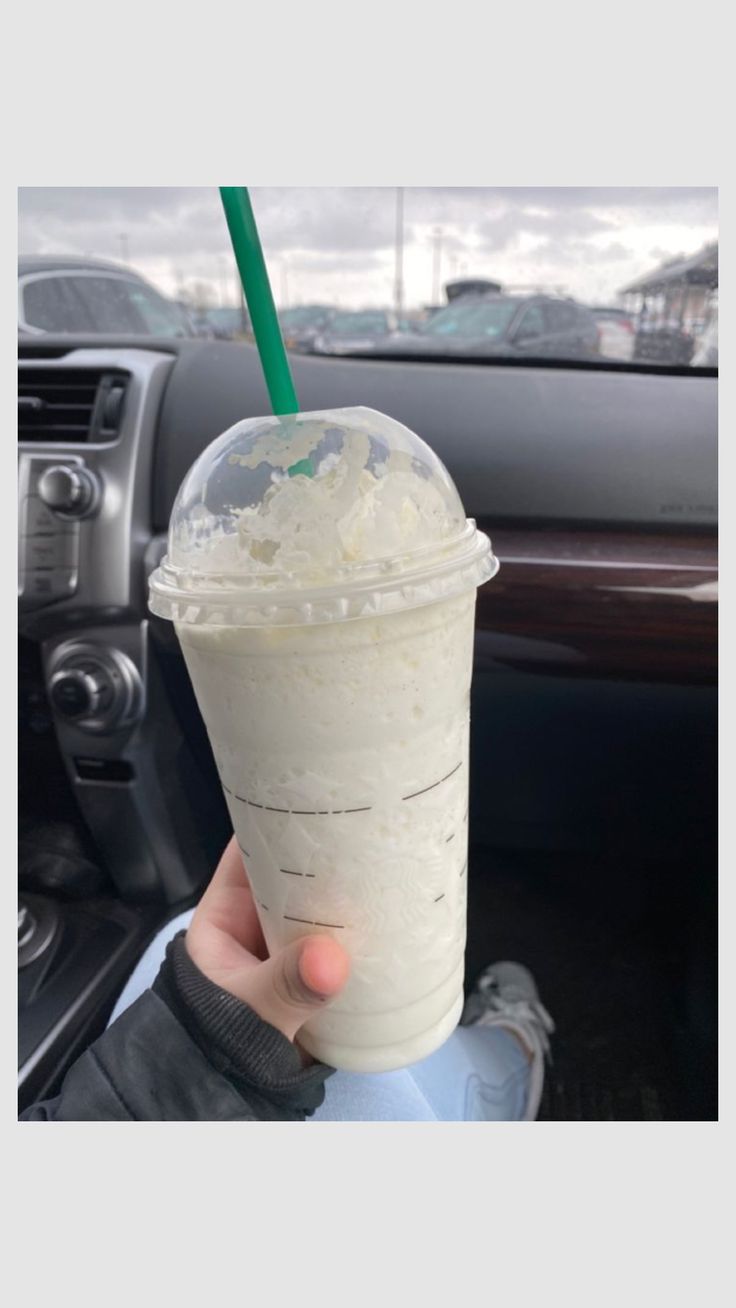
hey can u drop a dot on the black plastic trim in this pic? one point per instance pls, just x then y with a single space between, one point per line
528 361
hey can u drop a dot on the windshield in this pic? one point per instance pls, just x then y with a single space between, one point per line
611 277
489 319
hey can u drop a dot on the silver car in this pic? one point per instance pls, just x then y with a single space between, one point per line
90 297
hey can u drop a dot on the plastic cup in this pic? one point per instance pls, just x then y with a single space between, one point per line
321 576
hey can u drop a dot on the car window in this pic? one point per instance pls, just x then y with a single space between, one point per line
487 318
227 319
50 304
110 305
304 316
356 324
531 324
160 317
562 317
69 303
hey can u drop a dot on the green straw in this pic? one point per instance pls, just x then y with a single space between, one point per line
257 288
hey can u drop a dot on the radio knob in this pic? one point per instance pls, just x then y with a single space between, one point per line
70 491
80 692
95 688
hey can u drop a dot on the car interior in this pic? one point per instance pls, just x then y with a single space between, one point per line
593 741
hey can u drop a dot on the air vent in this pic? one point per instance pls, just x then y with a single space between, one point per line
71 406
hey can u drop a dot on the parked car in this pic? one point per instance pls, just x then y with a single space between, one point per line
228 323
706 350
197 320
62 294
666 343
301 325
616 332
357 333
523 325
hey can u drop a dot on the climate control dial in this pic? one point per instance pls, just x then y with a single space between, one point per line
95 687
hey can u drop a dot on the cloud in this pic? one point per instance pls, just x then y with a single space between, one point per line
502 232
567 252
343 261
340 240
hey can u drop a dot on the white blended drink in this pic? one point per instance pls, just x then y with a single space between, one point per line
321 576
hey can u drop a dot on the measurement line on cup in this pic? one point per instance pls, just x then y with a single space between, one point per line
449 838
463 871
439 897
243 850
434 783
288 872
297 812
308 921
262 905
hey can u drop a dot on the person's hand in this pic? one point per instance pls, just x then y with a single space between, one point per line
226 943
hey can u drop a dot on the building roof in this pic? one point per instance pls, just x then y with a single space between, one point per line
700 269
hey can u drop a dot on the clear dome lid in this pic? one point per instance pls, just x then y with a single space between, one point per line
316 517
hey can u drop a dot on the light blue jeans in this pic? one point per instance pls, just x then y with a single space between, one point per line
479 1074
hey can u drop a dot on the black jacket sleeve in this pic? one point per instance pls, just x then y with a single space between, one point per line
186 1051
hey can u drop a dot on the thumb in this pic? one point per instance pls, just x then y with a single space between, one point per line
289 988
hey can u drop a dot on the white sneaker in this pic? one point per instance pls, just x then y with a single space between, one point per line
505 994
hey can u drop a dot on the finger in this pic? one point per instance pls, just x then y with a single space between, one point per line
296 983
227 906
230 870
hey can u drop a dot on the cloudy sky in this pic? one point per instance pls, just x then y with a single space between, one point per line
338 244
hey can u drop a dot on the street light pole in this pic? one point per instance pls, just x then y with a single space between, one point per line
399 258
124 247
436 265
240 302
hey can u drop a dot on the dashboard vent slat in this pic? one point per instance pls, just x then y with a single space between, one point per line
74 406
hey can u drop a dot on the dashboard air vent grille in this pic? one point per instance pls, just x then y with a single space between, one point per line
70 406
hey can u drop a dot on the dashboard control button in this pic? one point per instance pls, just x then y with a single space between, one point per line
49 584
72 694
38 517
57 551
69 490
82 691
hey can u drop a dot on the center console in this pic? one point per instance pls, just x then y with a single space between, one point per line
127 846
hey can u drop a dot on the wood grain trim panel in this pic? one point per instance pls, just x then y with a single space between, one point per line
619 605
